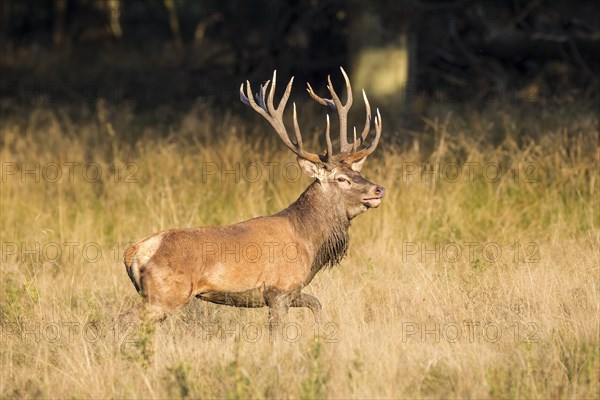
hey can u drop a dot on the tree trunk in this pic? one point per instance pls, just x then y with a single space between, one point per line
382 60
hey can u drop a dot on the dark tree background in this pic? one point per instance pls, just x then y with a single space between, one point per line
174 52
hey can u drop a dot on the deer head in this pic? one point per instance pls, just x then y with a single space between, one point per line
338 175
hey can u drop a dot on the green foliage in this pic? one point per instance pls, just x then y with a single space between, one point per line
439 380
240 387
179 381
314 384
505 382
144 343
16 298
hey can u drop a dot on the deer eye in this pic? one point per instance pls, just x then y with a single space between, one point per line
341 179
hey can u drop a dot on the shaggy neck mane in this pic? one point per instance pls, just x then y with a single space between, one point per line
323 222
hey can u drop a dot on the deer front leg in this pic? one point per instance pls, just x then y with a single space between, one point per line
311 302
276 314
278 303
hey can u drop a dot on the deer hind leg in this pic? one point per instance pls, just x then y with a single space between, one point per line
310 302
142 313
131 316
161 296
157 306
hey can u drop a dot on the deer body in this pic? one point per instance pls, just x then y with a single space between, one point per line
264 261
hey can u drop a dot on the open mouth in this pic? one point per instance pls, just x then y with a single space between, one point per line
372 202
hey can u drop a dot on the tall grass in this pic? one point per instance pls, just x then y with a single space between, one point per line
486 285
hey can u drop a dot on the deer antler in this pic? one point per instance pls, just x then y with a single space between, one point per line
348 152
275 115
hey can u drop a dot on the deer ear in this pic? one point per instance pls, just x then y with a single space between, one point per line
311 169
357 166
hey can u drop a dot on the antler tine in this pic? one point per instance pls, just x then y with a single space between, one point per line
367 128
342 110
297 130
243 97
285 97
371 148
348 90
328 141
272 109
326 102
260 96
341 115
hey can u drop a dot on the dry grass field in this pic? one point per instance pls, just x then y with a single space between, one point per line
480 280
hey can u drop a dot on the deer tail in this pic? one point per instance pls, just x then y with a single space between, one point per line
132 266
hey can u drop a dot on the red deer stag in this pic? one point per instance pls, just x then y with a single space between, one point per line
265 261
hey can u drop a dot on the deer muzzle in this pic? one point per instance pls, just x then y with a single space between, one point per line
375 200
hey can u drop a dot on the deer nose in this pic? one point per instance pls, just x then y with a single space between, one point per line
379 191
